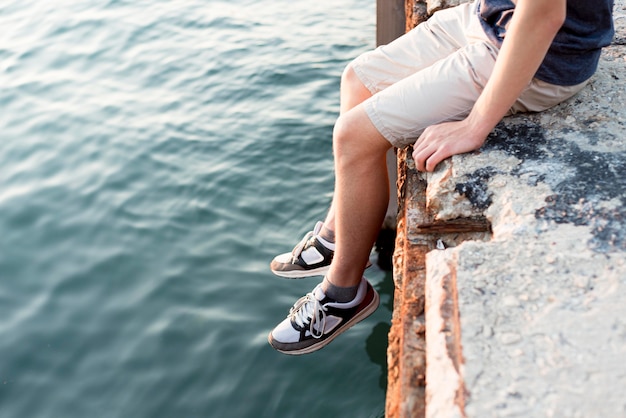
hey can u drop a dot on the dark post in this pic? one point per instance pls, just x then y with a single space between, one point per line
390 24
390 20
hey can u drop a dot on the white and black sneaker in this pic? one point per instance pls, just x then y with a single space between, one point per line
311 257
315 320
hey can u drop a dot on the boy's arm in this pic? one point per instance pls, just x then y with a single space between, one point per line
532 28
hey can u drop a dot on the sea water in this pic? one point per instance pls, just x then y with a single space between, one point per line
154 156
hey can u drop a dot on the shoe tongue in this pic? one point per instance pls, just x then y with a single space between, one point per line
318 227
319 293
322 297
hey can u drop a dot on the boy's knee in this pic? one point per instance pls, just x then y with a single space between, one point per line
354 136
350 80
348 74
346 138
343 132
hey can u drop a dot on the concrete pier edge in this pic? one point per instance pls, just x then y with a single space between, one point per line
510 264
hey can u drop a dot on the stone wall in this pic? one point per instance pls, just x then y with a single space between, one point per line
510 264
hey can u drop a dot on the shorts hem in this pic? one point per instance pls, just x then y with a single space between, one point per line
370 110
360 73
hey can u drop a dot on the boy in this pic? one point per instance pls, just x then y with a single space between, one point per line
442 88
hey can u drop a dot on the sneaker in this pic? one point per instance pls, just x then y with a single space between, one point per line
309 258
315 320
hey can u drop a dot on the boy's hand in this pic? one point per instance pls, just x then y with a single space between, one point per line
439 142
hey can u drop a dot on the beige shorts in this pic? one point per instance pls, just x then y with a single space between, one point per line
435 74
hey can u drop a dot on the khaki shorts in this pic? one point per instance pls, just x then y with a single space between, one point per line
435 74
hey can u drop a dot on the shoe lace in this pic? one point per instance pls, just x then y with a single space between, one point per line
307 312
297 250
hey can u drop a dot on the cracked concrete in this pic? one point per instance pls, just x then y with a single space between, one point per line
540 304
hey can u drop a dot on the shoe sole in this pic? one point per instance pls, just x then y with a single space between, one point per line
300 274
357 318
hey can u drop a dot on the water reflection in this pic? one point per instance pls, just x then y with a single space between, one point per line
376 343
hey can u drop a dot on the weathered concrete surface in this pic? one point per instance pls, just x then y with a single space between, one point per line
540 306
525 313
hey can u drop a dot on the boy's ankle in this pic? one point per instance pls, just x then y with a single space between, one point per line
327 234
338 293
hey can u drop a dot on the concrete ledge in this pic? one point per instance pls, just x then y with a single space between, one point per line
521 249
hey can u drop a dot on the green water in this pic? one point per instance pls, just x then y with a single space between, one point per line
154 157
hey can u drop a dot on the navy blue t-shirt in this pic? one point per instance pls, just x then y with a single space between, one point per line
574 53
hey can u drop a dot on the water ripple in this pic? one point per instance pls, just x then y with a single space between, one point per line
154 156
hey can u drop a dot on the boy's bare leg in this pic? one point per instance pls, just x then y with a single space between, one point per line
352 93
353 133
361 194
359 205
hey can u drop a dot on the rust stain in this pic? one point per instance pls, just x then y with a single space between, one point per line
406 354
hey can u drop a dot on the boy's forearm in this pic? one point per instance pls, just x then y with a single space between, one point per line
530 33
